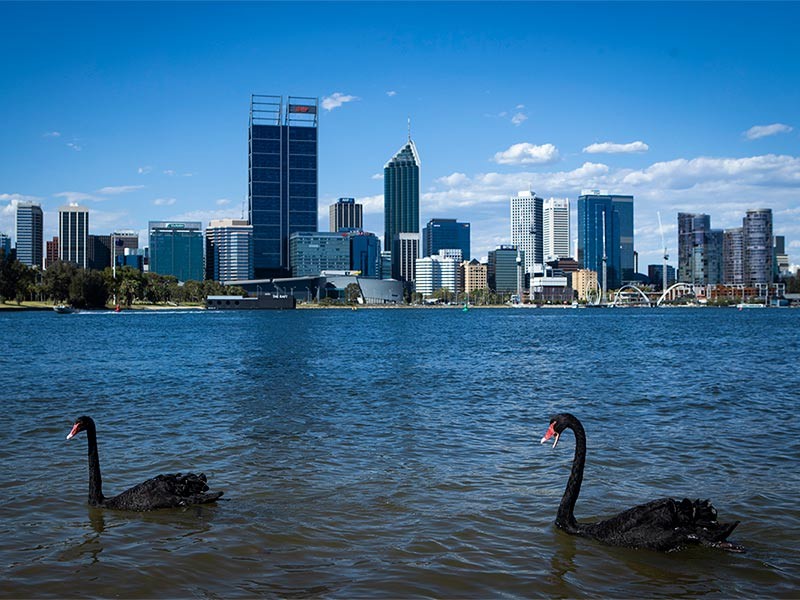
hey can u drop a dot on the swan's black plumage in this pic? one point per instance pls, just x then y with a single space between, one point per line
163 491
665 524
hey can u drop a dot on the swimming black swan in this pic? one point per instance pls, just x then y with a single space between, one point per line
664 525
163 491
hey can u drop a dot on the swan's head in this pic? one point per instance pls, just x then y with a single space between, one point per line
81 424
558 423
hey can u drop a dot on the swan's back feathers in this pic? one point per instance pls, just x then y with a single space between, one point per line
664 525
165 491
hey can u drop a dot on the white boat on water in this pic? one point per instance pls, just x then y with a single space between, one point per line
63 309
743 305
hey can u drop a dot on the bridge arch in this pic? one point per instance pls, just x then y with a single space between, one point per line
676 290
619 293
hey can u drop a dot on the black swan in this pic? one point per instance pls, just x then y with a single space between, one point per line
663 525
163 491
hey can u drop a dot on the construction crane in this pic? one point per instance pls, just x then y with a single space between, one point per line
666 256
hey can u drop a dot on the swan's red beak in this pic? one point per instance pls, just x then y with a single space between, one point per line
75 429
551 432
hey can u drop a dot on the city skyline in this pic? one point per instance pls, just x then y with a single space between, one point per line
678 112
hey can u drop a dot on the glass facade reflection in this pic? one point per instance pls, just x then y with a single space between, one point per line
176 248
446 233
282 187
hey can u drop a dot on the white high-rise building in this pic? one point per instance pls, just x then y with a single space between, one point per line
73 235
437 272
555 228
229 250
526 229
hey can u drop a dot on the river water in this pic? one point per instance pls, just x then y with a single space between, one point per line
395 452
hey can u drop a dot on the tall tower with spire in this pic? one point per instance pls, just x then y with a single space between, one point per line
401 207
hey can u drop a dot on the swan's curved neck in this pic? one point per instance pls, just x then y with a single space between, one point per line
566 517
95 480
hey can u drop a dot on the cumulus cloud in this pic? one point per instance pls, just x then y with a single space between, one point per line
75 146
336 99
391 93
371 204
169 172
377 176
144 170
519 118
164 201
52 134
612 148
527 154
760 131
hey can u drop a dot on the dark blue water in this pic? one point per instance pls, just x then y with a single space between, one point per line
386 453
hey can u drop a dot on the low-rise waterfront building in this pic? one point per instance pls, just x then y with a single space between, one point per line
584 281
229 250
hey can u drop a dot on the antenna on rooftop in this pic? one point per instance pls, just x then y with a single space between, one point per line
409 129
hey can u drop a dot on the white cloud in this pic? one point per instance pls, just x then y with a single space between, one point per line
222 202
75 146
759 131
336 99
520 106
188 174
526 154
453 179
612 148
371 204
164 201
119 189
76 197
519 118
52 134
169 172
144 170
209 215
377 176
391 93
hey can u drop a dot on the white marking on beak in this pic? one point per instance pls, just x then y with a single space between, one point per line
556 442
69 437
544 439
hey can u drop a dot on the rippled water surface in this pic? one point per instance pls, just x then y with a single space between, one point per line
394 453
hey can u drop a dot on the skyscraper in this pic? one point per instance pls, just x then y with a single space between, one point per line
555 228
733 256
439 234
73 235
5 243
282 173
401 208
757 237
526 229
502 269
29 234
346 213
229 250
405 252
176 248
597 209
700 256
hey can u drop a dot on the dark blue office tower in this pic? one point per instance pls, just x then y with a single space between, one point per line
445 233
605 229
282 192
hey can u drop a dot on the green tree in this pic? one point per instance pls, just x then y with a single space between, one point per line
15 277
88 289
444 295
56 280
352 293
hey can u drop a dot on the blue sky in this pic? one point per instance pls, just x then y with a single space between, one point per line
140 111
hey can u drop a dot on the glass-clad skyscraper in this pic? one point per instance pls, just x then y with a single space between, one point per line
282 187
605 229
29 227
176 248
401 206
440 234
